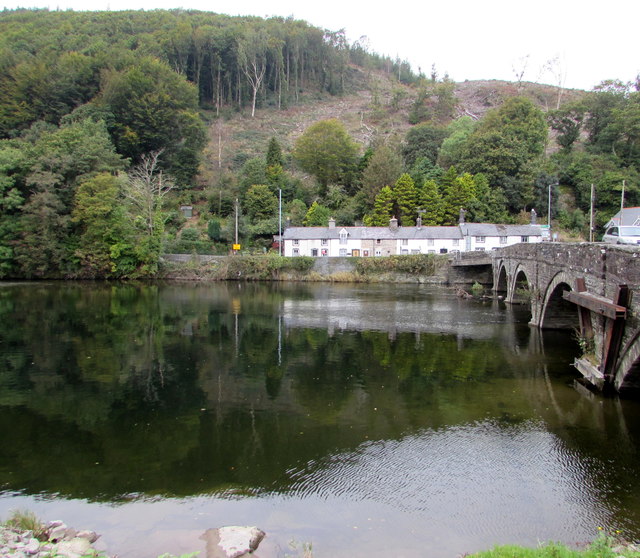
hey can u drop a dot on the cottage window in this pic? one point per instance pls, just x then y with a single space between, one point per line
343 252
455 242
480 239
378 252
325 242
343 238
378 241
503 240
429 241
524 239
296 252
405 241
296 242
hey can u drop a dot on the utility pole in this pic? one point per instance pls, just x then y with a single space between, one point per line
236 221
549 212
591 213
280 221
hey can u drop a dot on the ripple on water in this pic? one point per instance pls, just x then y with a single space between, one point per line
479 479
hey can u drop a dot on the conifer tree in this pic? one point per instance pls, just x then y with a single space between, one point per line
430 201
459 193
317 216
382 209
451 206
274 153
406 196
489 204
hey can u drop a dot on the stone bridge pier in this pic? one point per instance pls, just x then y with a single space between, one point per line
589 287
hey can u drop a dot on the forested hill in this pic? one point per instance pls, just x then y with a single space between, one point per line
109 121
65 59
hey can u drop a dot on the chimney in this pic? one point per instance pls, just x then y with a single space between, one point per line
533 216
393 224
462 214
332 223
419 221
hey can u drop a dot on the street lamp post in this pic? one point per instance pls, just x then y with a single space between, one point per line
280 221
549 211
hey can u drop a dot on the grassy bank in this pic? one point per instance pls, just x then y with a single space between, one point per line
271 267
603 547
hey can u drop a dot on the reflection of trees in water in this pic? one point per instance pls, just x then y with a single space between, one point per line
194 388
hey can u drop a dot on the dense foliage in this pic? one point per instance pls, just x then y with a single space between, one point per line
101 115
103 130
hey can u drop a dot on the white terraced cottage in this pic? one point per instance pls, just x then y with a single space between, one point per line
333 241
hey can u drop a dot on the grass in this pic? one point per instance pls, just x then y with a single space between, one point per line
603 547
27 521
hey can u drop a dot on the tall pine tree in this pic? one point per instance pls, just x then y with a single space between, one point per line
430 201
406 196
382 209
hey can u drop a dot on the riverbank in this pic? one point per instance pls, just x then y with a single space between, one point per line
416 268
56 540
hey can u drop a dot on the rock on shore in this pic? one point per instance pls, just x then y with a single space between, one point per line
56 539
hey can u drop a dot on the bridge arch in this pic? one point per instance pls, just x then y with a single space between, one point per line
556 312
627 375
520 288
501 281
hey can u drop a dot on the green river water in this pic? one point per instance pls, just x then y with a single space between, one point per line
366 420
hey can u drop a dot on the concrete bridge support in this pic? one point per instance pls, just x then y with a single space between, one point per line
579 286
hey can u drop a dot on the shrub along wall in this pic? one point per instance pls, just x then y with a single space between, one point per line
272 267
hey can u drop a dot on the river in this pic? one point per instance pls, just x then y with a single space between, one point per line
366 420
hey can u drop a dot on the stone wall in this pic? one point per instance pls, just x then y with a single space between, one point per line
330 266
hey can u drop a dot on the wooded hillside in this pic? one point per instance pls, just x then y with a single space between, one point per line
111 120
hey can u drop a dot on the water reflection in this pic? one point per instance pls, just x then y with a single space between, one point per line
400 410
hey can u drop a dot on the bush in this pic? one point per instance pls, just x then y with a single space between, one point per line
265 267
418 264
213 229
190 235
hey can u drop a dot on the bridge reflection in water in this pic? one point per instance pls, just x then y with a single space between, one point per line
588 287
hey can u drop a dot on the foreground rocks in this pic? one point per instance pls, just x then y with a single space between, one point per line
55 539
232 542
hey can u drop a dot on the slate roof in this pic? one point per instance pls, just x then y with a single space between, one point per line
386 233
490 229
630 217
372 233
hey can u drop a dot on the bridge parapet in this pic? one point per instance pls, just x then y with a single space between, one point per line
544 274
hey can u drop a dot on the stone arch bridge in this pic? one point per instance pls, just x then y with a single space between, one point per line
588 286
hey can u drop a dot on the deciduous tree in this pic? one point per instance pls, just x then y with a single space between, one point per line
326 151
384 168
